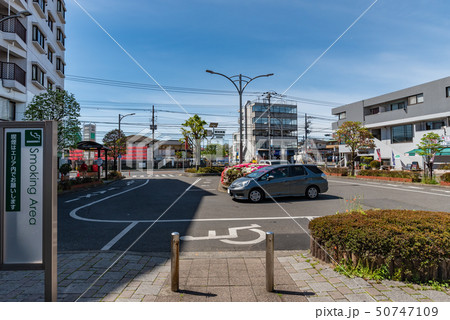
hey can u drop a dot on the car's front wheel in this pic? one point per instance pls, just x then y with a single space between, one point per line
256 195
312 192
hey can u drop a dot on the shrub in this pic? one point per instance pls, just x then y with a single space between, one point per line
374 164
65 169
414 244
446 177
113 175
343 171
392 174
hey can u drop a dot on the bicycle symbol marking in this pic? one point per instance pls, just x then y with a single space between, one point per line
233 234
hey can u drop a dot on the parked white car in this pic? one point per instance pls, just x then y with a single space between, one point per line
273 162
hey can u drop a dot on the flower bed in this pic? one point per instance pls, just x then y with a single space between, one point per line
409 245
230 174
385 178
336 171
415 177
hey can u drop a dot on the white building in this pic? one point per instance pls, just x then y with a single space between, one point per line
31 53
398 120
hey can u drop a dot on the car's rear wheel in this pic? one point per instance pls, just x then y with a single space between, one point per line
256 195
312 192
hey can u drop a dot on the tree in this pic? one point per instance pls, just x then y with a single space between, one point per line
429 146
62 107
355 137
117 142
195 130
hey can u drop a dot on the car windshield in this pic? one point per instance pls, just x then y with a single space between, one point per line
259 172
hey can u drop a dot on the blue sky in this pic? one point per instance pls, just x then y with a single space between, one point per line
397 44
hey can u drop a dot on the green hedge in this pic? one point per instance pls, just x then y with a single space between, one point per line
392 174
446 177
343 171
413 245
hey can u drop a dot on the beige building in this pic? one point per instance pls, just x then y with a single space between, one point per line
31 53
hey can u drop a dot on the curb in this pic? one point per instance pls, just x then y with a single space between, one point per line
399 182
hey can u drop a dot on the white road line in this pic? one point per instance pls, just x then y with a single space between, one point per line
194 220
415 187
392 185
202 190
163 175
119 236
74 215
171 175
391 188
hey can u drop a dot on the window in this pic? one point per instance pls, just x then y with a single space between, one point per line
420 98
447 92
41 4
50 22
60 36
430 125
37 74
402 134
279 173
298 171
50 54
397 105
60 9
415 99
60 65
7 110
342 115
38 36
374 110
50 84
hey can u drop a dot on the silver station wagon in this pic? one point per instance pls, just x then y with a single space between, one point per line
278 181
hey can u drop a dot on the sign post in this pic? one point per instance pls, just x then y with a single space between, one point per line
28 210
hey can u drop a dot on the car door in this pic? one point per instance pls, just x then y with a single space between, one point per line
298 180
279 185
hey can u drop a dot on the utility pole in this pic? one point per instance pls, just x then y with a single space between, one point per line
305 146
269 95
153 128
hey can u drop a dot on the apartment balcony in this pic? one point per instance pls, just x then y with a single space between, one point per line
40 7
60 39
13 76
61 10
14 32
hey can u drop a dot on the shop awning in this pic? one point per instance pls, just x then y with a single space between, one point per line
444 152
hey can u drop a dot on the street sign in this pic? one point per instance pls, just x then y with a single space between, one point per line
28 211
99 161
213 124
209 133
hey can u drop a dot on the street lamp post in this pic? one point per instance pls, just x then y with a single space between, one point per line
20 14
120 119
237 82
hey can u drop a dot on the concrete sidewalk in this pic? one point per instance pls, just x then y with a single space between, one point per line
217 276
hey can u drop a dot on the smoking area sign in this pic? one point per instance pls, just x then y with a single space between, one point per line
23 218
28 199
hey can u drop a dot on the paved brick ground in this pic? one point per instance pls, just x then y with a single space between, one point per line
219 276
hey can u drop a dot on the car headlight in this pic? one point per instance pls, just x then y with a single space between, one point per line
241 184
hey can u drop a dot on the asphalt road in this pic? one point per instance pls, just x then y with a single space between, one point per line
140 213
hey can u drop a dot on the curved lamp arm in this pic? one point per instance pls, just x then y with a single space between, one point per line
220 74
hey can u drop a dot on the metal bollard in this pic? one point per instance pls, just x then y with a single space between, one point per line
175 262
269 261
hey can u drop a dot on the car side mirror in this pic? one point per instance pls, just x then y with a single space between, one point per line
270 178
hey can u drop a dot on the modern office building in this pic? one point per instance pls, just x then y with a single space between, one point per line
398 120
31 52
277 124
89 132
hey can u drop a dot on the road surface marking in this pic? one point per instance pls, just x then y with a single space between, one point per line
415 187
232 234
397 189
119 236
75 216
